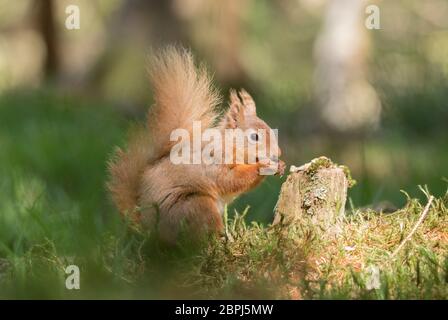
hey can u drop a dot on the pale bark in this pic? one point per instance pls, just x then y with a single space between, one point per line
315 192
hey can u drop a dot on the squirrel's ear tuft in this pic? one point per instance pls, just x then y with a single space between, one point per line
249 103
235 114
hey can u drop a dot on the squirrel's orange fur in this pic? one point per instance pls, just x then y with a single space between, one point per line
148 187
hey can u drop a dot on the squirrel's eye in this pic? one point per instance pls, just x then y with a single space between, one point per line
254 136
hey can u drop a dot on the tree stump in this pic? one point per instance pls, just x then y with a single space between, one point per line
316 192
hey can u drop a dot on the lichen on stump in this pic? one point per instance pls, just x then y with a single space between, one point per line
316 191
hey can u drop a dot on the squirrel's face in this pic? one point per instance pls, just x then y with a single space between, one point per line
263 137
259 137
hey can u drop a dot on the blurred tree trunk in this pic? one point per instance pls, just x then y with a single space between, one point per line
137 27
217 29
346 99
156 21
228 42
46 26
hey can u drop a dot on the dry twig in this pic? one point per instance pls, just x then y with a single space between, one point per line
419 222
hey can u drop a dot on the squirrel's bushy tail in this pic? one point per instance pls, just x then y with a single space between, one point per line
183 93
125 169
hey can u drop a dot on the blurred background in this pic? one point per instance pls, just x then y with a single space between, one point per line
375 100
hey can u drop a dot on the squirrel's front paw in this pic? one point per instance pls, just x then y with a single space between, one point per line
281 168
264 163
267 167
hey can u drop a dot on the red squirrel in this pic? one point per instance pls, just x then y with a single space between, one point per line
145 183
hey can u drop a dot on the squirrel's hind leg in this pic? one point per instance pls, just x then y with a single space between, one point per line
196 215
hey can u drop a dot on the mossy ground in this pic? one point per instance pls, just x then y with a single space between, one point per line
298 261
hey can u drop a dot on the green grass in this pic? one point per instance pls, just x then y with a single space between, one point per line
54 212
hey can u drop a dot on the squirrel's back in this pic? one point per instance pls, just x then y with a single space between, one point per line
183 93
